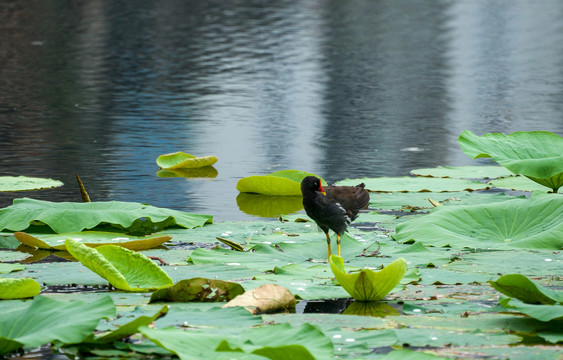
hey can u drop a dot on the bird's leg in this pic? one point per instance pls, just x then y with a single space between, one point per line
328 243
338 243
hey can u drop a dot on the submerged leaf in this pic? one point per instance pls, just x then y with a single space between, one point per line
265 299
517 223
199 289
368 285
537 155
122 268
24 183
181 160
63 217
18 288
91 239
285 183
520 287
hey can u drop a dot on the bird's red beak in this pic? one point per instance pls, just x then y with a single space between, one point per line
322 190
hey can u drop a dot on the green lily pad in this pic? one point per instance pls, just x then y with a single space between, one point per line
284 183
122 268
537 155
518 183
274 342
181 160
199 289
539 312
269 205
517 223
91 239
203 172
368 285
24 183
64 217
414 184
520 287
132 327
46 320
18 288
8 268
464 172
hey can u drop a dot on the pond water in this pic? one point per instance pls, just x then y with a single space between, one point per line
343 89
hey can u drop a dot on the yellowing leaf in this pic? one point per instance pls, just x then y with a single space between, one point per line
18 288
264 299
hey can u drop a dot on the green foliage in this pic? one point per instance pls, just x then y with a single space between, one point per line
520 287
517 223
24 183
122 268
18 288
537 155
63 217
368 285
46 320
181 160
284 183
414 184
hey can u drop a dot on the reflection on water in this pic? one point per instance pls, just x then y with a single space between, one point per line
340 89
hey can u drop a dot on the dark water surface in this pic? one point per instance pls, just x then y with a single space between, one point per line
342 89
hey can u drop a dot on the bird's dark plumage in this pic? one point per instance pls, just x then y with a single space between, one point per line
333 207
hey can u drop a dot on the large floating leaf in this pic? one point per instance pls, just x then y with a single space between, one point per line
63 217
415 184
46 320
518 223
18 288
199 289
520 287
537 155
284 341
269 205
24 183
285 182
540 312
90 238
122 268
368 285
464 172
181 160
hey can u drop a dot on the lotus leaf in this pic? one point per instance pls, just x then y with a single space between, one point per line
122 268
267 298
181 160
537 155
199 289
539 312
464 172
518 183
518 223
368 285
370 308
91 239
274 342
203 172
24 183
269 205
63 217
285 183
131 327
18 288
46 320
416 184
8 268
525 290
